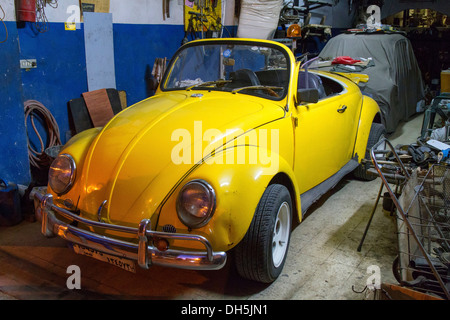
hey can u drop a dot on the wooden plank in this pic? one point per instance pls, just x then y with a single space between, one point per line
396 292
99 107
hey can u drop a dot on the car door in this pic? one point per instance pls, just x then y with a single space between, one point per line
325 132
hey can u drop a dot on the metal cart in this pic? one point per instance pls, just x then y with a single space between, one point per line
423 222
439 106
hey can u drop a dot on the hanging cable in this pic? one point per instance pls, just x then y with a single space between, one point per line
38 158
41 17
4 24
53 3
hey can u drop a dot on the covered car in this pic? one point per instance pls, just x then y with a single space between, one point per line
395 80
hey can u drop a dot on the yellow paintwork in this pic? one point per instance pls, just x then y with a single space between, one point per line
129 164
355 77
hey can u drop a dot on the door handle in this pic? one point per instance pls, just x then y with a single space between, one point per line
342 110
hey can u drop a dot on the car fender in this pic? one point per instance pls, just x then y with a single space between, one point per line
370 112
79 144
77 147
238 188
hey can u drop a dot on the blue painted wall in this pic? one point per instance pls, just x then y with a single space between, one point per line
61 69
136 46
61 76
13 145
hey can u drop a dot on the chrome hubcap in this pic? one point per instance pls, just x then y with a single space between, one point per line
281 234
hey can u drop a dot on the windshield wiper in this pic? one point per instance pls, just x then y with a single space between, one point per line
208 83
269 89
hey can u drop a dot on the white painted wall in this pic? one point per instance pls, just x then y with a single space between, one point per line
145 12
129 11
8 7
64 11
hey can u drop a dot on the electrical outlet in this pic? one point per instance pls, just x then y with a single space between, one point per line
28 63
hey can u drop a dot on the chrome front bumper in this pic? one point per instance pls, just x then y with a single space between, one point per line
143 252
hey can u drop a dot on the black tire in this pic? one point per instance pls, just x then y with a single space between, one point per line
256 257
377 132
396 270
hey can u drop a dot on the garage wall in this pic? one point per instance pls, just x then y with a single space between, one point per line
140 36
337 15
394 6
13 145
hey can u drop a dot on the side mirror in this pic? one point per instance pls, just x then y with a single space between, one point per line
309 95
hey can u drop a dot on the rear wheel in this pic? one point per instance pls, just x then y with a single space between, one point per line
261 255
377 133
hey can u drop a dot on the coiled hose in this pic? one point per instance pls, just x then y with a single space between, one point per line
38 158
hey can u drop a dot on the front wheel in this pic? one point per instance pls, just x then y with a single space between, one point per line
377 133
261 255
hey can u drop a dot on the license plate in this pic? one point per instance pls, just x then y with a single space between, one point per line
122 263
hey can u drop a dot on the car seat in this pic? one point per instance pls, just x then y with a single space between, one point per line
243 78
308 80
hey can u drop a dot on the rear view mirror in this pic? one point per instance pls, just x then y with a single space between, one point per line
309 95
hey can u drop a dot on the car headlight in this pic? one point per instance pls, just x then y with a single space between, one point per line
62 174
196 203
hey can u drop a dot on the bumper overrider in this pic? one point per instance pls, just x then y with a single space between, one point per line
143 252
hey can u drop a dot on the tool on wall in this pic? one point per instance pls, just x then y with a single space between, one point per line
159 67
166 9
202 19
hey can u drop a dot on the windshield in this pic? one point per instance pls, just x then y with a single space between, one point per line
260 70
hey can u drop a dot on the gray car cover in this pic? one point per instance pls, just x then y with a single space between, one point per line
395 80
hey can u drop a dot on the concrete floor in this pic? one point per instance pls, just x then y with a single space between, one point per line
323 262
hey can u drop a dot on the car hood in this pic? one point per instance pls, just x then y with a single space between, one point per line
131 162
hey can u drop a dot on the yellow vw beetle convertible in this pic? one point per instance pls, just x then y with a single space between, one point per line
237 143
